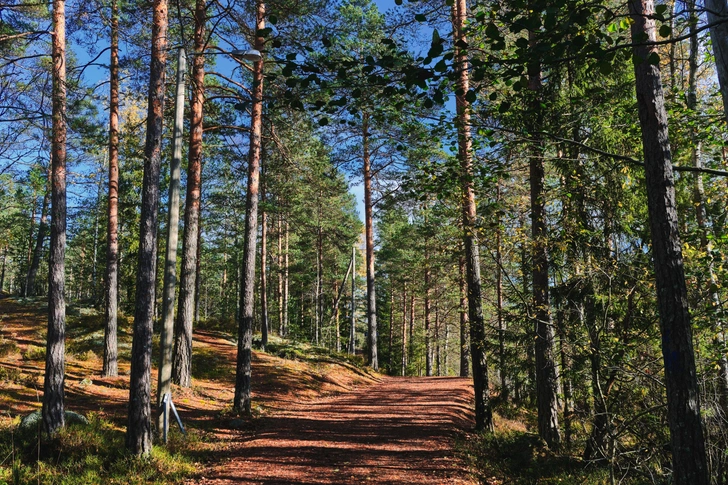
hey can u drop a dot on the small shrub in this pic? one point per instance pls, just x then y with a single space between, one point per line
10 374
8 347
34 353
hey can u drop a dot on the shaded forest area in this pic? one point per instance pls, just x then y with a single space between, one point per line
544 194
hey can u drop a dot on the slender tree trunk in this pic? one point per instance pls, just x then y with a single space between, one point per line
279 261
404 328
53 387
241 403
166 339
683 397
369 224
29 252
335 313
483 411
428 330
139 428
390 360
438 354
502 372
182 365
285 283
319 276
463 310
352 324
2 271
198 267
718 15
546 375
264 324
38 250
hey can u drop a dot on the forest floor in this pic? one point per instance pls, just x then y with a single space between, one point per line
317 418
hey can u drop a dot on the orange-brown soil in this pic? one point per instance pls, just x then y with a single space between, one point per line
315 421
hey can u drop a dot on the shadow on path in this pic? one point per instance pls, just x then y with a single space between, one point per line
400 430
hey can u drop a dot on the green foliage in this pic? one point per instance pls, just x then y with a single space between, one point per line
89 454
521 458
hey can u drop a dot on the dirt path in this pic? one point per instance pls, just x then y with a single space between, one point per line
398 431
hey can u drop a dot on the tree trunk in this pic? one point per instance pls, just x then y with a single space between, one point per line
718 12
285 283
241 403
369 224
182 366
264 324
683 398
502 373
464 347
352 324
198 268
428 330
166 339
390 361
38 250
139 427
279 261
483 411
55 366
404 328
318 286
546 376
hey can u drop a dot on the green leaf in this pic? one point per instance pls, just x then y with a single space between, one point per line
323 121
273 19
654 59
665 30
420 18
504 107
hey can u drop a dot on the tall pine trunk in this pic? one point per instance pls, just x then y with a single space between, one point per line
369 225
463 310
264 324
241 403
683 399
182 366
166 340
546 376
483 411
139 427
53 387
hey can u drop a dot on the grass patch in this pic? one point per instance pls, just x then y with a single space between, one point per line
34 353
89 454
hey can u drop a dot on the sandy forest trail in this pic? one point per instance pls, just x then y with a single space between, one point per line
398 431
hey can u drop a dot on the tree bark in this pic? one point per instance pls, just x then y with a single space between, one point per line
53 411
483 411
279 261
369 224
264 324
285 283
718 12
683 398
352 324
166 339
139 427
404 328
502 373
182 367
241 403
38 249
464 347
428 310
546 376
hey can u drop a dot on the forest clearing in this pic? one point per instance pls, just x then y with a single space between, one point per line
423 241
